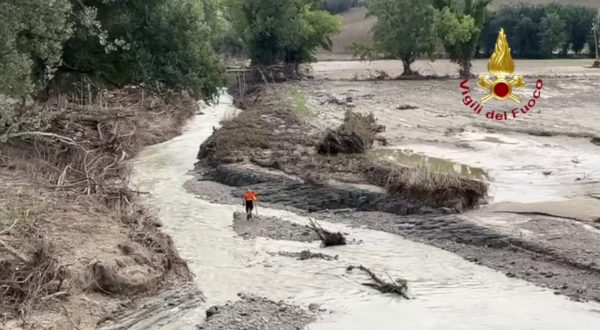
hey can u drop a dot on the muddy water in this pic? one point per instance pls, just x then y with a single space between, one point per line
526 169
407 157
448 291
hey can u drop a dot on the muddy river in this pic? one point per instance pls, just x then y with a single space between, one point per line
447 291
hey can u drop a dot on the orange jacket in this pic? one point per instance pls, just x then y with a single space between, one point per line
250 196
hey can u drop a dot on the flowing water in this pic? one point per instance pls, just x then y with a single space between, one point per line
448 291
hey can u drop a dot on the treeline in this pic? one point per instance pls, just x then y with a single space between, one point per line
463 29
407 30
162 44
541 31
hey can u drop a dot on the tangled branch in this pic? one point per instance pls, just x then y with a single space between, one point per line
397 286
327 238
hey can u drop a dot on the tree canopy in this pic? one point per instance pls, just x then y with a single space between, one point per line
540 31
32 33
163 44
276 31
404 29
460 23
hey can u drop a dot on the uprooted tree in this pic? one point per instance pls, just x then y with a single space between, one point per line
327 238
356 135
397 286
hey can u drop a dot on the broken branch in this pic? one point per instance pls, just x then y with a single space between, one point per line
398 286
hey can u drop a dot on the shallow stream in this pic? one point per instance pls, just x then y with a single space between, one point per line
449 292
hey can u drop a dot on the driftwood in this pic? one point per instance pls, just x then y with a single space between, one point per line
327 238
398 286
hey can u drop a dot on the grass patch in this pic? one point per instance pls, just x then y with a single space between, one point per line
298 102
434 188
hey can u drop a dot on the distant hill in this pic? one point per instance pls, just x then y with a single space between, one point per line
356 27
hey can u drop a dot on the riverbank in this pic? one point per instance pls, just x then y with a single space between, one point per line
78 251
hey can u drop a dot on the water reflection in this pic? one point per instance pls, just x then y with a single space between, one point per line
407 157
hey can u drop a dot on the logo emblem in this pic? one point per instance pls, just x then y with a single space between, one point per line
500 86
501 66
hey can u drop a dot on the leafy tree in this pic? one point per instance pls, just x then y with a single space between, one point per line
159 43
460 23
32 33
523 23
578 21
404 29
552 33
276 31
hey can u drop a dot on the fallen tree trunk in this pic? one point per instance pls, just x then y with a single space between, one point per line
327 238
398 286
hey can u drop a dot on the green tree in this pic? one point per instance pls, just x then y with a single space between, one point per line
578 20
276 31
404 29
523 26
460 23
32 34
552 33
163 44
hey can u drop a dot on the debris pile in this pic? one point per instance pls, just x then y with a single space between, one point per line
397 286
354 136
327 238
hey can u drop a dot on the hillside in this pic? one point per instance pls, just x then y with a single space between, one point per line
356 26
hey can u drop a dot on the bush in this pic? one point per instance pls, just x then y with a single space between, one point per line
159 43
32 34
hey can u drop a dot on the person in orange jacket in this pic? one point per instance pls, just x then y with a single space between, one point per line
250 202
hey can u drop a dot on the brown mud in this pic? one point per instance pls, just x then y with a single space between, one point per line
77 251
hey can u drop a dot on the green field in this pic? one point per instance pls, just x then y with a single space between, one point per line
356 27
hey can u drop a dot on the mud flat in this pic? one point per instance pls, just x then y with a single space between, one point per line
254 313
543 246
272 228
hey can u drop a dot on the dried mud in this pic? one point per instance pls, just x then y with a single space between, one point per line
65 205
255 313
270 227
